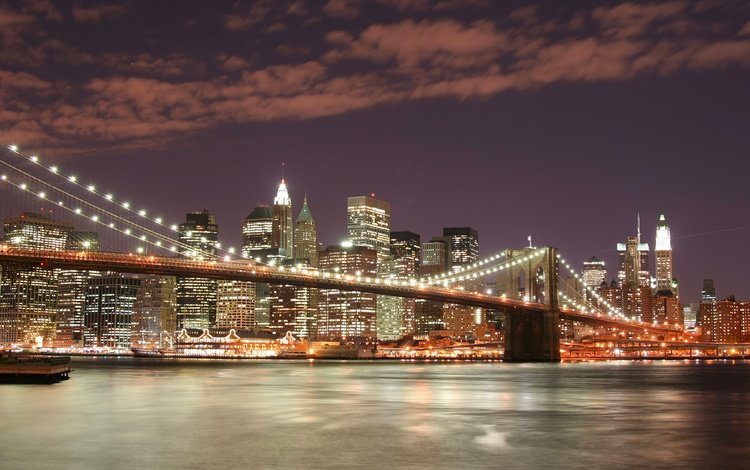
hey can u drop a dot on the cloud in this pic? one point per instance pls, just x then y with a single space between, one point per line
144 99
97 13
347 9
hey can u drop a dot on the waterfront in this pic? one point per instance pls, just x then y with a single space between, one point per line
129 413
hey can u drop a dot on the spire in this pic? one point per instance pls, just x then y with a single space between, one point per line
304 214
639 228
282 195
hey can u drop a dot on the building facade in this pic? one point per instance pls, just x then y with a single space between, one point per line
196 297
108 313
154 310
282 228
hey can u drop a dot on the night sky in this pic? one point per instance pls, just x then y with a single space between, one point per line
560 120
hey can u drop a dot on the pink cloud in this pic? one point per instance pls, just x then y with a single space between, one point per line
97 13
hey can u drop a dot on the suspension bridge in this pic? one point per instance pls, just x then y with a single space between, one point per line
139 242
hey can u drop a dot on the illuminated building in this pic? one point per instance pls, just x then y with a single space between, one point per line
222 342
282 231
667 308
723 323
347 314
612 293
71 292
369 223
154 310
292 308
464 246
257 231
235 304
436 252
257 243
707 305
28 295
594 272
690 315
196 297
108 313
663 254
405 254
633 260
305 236
637 302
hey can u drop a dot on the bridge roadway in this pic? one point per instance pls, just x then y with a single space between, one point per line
243 270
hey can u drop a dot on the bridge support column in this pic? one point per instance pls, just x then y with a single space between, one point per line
532 336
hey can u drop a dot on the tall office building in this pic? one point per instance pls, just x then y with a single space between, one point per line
196 297
369 223
71 292
154 310
28 295
633 260
405 260
435 255
108 313
347 314
594 272
292 308
663 254
282 229
464 246
707 306
235 305
257 232
305 236
257 243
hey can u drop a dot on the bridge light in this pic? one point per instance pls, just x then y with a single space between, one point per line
23 186
139 249
4 177
143 238
227 258
126 205
42 195
95 218
173 227
78 211
142 212
92 188
158 242
158 220
127 231
13 148
34 158
172 248
108 197
60 203
72 178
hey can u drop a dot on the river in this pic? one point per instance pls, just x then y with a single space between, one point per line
143 413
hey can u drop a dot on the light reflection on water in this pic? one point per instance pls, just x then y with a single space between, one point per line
295 414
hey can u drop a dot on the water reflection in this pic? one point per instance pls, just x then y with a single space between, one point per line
140 413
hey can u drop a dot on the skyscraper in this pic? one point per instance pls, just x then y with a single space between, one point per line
235 304
28 295
633 260
305 236
108 313
347 314
707 306
154 310
257 243
71 292
257 231
663 254
464 246
196 297
369 223
405 254
594 272
435 255
282 229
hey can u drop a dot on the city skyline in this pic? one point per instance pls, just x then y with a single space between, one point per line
599 114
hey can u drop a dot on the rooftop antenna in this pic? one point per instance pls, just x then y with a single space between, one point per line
529 239
282 171
639 228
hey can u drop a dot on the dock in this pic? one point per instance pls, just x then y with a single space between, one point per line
26 368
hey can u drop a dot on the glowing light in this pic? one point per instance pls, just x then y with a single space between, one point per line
108 197
72 178
23 186
42 195
78 211
13 148
34 158
126 205
91 188
142 213
53 169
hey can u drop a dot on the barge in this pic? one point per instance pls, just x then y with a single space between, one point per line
28 368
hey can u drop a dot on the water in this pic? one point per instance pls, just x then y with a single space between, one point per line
129 414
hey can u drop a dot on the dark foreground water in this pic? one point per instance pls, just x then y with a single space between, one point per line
134 414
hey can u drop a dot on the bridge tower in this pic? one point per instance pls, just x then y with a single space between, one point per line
531 335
